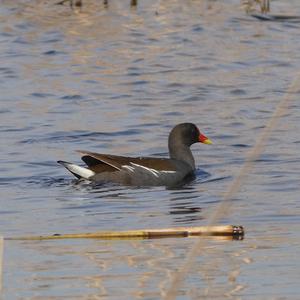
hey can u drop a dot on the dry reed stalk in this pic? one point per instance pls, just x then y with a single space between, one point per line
223 208
221 230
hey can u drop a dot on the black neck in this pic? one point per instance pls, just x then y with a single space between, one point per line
182 153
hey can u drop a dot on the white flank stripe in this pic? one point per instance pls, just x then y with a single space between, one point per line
170 172
153 171
131 169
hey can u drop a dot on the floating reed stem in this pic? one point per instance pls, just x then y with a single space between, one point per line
223 230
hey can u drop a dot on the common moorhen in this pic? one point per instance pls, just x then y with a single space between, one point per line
144 171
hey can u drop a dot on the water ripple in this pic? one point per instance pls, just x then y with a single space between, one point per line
133 73
79 136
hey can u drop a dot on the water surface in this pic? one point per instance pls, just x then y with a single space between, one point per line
115 79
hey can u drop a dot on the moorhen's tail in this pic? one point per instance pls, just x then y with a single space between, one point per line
79 172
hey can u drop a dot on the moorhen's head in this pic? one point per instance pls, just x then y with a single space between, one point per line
187 134
181 138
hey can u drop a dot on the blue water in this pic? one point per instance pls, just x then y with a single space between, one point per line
115 79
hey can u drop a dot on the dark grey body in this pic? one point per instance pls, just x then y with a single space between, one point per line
145 171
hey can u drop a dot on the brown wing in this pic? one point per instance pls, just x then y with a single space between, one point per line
159 164
100 162
105 162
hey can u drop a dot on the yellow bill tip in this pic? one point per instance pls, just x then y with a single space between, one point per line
207 141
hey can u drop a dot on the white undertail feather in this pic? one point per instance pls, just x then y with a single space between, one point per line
77 170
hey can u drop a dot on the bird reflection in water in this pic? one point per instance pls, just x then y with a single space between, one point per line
183 206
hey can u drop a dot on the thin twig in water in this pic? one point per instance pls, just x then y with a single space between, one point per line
223 207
